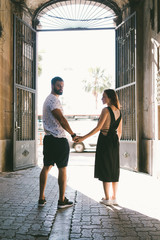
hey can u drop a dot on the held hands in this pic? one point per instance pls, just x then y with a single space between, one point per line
78 139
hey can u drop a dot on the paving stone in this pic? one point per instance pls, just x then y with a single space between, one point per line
157 226
155 237
6 238
112 233
24 237
82 238
127 238
155 233
42 238
135 225
48 223
110 238
86 233
76 229
93 226
98 236
145 238
146 229
75 236
147 223
143 234
10 233
86 220
36 227
131 232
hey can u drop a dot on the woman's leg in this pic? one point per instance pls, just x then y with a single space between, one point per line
114 190
107 188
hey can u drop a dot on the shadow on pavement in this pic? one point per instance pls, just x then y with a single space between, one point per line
22 219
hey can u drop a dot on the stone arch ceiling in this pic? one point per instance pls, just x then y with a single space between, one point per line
33 5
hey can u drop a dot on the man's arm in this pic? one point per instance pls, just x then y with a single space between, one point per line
102 119
62 120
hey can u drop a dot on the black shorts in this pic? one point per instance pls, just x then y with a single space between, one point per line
55 150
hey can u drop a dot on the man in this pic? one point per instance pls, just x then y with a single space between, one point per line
55 144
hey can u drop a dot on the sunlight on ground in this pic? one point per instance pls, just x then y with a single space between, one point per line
137 191
140 192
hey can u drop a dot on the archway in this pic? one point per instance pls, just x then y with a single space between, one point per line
87 15
125 39
63 15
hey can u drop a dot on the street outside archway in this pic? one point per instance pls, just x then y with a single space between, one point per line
73 23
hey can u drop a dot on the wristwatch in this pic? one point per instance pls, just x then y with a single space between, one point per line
74 135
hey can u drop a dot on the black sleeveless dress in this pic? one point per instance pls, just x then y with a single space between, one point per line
107 153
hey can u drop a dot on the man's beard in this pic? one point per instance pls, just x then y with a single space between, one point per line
58 92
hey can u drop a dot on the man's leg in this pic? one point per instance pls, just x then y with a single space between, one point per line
43 180
62 181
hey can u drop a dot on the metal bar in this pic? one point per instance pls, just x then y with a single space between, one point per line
125 86
25 88
126 20
23 92
116 56
14 91
74 29
35 117
24 56
27 115
21 20
125 78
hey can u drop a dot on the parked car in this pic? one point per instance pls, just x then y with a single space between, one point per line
82 126
89 143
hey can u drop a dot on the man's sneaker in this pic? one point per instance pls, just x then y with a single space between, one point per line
41 202
66 203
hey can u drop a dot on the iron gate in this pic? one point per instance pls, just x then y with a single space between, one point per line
24 95
126 90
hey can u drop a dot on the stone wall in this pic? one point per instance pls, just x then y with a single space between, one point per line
150 122
33 5
6 85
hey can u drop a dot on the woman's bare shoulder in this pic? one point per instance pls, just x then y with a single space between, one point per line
105 111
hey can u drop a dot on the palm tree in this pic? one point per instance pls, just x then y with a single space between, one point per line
98 82
39 65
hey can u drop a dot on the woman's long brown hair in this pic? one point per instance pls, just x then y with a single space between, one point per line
113 96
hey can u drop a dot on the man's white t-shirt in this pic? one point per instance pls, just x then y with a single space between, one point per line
50 123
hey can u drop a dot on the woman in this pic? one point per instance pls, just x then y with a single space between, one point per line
107 152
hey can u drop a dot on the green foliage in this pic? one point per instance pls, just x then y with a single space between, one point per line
97 83
39 65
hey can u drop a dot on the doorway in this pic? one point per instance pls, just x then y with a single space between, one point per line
87 20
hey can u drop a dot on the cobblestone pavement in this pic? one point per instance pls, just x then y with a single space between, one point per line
136 217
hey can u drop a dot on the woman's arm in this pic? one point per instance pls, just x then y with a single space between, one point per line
102 119
119 130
